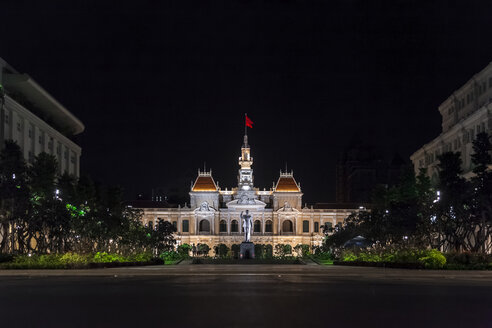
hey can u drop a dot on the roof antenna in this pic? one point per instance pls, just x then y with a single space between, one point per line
285 167
204 167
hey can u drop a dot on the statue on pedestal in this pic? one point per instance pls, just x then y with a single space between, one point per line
247 225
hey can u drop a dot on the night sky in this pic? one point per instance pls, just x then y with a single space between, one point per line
162 87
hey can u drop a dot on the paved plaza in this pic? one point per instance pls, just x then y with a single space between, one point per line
245 296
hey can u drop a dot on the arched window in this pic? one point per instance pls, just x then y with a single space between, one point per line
305 226
186 226
257 226
234 226
222 226
268 226
287 226
204 226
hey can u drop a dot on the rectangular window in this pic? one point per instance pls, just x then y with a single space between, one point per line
30 133
316 226
40 139
18 126
186 226
175 225
305 226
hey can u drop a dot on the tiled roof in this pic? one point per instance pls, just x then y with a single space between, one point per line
287 184
204 183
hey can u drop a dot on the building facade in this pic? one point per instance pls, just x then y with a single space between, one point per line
213 215
467 112
36 121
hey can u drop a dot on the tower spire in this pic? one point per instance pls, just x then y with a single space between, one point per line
245 141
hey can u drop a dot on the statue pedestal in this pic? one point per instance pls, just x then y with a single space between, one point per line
247 250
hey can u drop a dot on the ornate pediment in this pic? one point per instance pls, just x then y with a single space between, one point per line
204 208
287 208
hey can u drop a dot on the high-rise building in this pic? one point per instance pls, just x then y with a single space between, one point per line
36 121
467 112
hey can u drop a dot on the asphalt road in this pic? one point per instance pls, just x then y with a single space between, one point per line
245 296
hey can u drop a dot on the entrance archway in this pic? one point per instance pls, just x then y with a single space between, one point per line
204 226
287 226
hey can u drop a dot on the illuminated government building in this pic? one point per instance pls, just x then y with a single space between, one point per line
213 215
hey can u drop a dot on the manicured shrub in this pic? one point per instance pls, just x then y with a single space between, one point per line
221 250
184 250
74 259
302 250
369 257
348 256
203 249
170 256
140 257
283 250
259 251
432 259
235 249
103 257
324 256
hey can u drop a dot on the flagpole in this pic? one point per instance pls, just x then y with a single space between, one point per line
245 127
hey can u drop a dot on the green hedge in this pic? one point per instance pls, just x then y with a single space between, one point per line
428 258
73 260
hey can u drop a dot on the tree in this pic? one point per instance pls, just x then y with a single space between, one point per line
14 197
452 216
481 205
